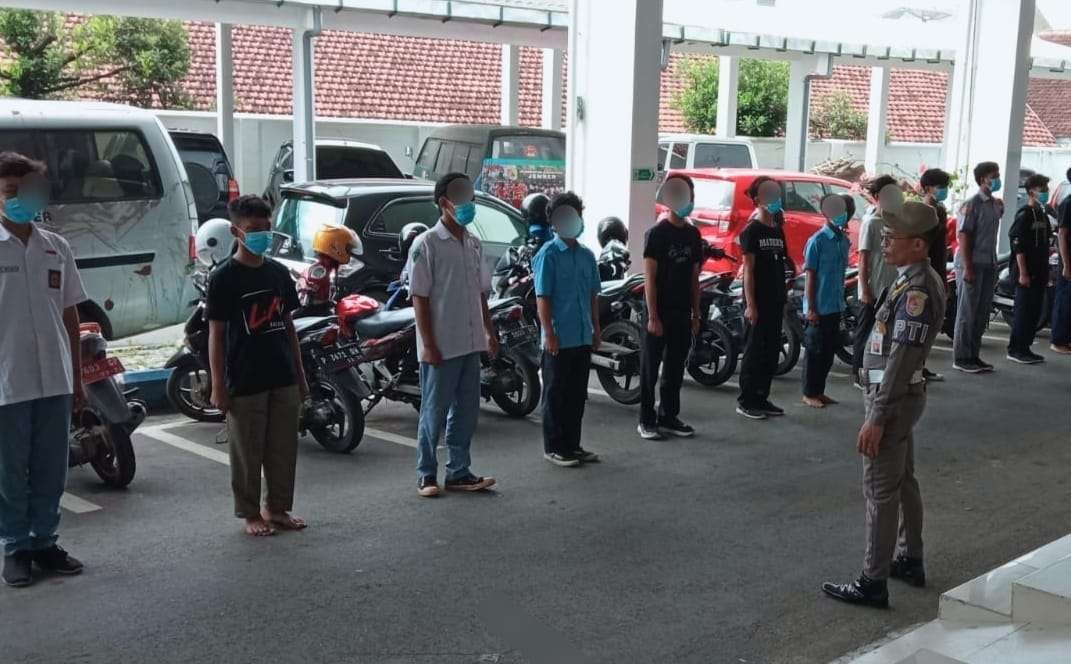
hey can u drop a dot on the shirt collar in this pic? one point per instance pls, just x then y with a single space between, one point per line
831 233
6 235
444 233
559 244
908 270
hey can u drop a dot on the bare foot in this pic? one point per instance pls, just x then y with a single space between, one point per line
284 521
814 402
258 527
829 401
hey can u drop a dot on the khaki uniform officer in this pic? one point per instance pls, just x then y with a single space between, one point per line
907 320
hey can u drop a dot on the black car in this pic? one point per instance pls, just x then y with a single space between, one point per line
209 170
335 159
377 209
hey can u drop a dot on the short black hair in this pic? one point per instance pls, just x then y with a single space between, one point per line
249 206
934 177
984 170
443 183
687 180
1036 181
875 186
566 198
849 204
753 188
15 165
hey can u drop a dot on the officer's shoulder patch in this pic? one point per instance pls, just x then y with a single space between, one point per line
911 326
915 302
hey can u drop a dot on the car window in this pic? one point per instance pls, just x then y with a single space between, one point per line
714 194
459 162
495 226
90 166
860 202
663 148
679 157
535 148
204 151
427 157
392 218
803 197
475 163
446 155
722 155
300 219
334 163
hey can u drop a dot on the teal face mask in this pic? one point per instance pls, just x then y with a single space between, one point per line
686 210
257 242
994 185
22 210
941 194
774 206
464 213
1043 197
841 220
571 228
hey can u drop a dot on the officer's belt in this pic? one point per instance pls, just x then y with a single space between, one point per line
875 376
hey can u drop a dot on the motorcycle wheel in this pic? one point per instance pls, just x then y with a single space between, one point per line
789 354
116 467
630 335
524 401
347 429
849 321
185 397
723 365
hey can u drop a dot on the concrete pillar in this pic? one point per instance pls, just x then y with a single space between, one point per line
615 49
552 89
225 92
989 88
877 117
799 110
511 81
728 80
304 97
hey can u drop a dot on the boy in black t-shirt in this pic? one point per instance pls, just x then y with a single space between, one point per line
763 245
257 377
1030 237
672 257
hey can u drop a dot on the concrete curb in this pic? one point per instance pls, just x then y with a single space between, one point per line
151 385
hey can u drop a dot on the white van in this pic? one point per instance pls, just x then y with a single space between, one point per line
677 151
121 197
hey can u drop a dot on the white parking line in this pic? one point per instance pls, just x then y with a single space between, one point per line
599 393
943 349
389 437
158 433
73 503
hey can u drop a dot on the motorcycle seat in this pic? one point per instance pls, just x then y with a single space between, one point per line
504 303
311 322
618 286
383 323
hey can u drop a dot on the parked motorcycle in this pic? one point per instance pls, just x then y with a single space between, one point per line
101 429
1007 283
189 386
796 321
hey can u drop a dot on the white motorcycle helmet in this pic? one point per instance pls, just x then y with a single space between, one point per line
214 242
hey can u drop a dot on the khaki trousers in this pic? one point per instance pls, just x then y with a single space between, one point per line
262 431
893 499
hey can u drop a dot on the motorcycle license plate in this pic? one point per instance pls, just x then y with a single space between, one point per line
98 370
519 335
341 357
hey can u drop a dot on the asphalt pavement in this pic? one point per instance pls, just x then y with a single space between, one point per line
703 550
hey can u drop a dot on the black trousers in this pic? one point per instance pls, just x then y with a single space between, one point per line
762 350
862 333
565 391
1028 302
820 341
670 351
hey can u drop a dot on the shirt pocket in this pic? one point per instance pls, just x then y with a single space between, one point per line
53 274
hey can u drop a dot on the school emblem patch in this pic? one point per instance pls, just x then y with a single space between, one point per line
916 303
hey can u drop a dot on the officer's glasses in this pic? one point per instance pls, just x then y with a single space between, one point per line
887 238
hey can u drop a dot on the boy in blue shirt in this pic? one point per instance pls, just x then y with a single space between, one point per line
825 260
566 285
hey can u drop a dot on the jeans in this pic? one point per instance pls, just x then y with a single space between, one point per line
973 304
565 391
33 471
671 352
820 341
761 353
1061 313
862 333
1028 303
450 397
262 430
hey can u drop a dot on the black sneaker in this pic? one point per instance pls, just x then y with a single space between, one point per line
751 413
585 456
771 410
648 432
54 559
428 486
675 427
862 591
1038 359
470 483
563 460
18 569
967 366
1021 357
932 376
909 570
985 366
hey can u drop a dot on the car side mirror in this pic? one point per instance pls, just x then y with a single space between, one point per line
288 175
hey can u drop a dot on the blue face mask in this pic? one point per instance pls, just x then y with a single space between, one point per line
464 213
257 242
994 185
1043 197
774 206
686 210
22 210
941 194
571 228
841 220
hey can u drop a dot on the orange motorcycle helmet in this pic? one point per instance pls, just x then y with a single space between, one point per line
336 242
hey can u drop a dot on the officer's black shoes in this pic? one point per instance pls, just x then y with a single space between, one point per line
908 570
771 410
675 427
54 559
863 591
18 569
932 376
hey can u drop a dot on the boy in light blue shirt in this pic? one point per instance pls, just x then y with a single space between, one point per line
825 260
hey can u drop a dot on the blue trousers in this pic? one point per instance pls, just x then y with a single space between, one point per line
33 471
1061 312
450 396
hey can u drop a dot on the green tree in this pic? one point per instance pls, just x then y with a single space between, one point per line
146 59
836 117
762 96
